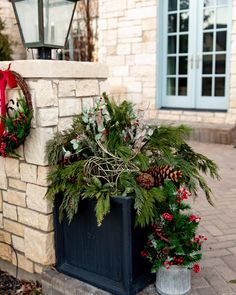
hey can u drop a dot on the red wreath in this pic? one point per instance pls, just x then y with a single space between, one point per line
14 121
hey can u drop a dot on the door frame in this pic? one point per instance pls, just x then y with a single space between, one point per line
160 87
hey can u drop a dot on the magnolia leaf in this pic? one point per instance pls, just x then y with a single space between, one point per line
75 144
98 136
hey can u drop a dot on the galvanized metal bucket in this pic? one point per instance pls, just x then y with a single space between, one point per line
173 281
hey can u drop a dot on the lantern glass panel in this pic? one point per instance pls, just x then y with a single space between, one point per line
29 24
57 17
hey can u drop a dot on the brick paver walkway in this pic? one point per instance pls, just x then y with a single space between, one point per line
219 225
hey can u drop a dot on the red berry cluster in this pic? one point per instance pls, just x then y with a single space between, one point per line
196 267
144 253
194 218
183 194
4 140
177 260
199 239
20 120
167 216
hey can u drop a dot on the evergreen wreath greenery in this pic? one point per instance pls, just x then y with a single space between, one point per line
174 240
109 152
17 120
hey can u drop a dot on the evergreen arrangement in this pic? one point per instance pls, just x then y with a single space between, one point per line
173 240
5 45
109 152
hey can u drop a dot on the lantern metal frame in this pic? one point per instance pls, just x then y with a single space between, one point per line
44 49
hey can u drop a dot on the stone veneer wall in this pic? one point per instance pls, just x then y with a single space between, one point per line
128 32
59 90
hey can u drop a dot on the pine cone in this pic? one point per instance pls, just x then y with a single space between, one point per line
145 180
160 173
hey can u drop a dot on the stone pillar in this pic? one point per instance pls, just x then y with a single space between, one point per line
59 90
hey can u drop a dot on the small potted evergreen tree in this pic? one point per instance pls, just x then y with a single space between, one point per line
173 247
114 164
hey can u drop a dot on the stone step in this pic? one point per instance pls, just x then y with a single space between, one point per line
209 133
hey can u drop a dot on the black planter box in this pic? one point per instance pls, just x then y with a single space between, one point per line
107 257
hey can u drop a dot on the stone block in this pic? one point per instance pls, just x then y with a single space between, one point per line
123 49
17 184
39 247
35 198
35 219
5 252
4 195
13 227
28 172
38 269
1 200
35 146
42 175
142 13
47 117
16 198
69 107
45 222
44 93
28 217
2 165
87 87
9 211
130 32
18 243
87 103
64 123
1 220
104 87
3 181
12 167
5 237
23 262
66 88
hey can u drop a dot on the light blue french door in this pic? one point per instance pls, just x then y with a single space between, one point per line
195 54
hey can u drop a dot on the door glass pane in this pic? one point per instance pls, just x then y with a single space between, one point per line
184 4
221 17
207 42
183 22
172 5
221 41
171 86
206 86
222 2
207 64
182 86
172 23
171 68
220 63
183 43
209 3
208 19
183 65
219 86
172 44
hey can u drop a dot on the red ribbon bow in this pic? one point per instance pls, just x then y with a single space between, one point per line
6 78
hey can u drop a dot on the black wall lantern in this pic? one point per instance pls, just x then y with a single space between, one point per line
44 24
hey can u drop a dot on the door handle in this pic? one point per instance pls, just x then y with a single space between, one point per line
198 60
191 61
